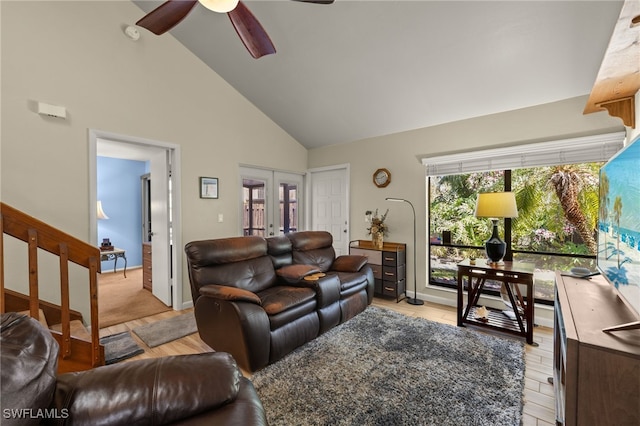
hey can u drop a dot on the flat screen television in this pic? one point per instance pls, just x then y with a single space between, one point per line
618 257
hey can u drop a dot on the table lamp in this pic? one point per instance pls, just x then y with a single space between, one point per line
496 205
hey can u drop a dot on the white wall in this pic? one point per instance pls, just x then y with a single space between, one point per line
399 153
75 54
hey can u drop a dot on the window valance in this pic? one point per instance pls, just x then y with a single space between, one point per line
567 151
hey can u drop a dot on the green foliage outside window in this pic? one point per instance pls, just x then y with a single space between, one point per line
557 214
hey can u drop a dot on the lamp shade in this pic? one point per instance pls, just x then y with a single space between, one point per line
100 214
220 6
496 204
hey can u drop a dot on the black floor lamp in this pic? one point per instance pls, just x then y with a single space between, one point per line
414 300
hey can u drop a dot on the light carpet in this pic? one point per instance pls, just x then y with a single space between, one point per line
123 299
167 330
385 368
119 347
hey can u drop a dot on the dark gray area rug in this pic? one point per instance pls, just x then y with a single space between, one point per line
167 330
120 346
385 368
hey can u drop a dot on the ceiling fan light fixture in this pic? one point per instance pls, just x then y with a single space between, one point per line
220 6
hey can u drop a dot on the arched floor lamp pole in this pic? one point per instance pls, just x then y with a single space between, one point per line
414 300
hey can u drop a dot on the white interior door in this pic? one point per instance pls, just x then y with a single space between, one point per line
329 201
160 223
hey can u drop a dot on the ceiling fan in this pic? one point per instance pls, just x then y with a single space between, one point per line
255 38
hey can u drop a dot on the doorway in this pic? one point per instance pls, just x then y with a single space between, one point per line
164 200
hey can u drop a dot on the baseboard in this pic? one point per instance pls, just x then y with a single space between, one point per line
187 305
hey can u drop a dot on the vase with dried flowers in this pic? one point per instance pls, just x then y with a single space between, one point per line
378 228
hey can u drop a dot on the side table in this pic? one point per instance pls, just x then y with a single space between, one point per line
511 275
114 255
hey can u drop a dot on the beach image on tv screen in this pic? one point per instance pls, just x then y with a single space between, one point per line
619 223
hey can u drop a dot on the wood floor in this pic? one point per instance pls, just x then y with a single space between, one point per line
539 407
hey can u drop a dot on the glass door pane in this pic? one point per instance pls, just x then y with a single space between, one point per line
253 207
288 196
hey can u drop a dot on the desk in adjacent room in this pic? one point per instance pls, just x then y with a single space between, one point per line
114 255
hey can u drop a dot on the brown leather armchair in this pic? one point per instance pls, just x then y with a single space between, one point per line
186 390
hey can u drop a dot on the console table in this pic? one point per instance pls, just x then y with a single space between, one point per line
388 265
114 255
511 275
596 374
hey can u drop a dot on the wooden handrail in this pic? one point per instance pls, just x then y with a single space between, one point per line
39 235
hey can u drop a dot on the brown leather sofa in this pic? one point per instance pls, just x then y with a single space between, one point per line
252 300
178 390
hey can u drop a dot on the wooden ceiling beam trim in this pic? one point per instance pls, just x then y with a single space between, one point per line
618 80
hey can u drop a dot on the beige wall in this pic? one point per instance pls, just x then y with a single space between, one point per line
75 54
399 153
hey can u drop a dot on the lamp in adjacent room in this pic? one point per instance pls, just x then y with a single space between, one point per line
100 214
496 205
411 300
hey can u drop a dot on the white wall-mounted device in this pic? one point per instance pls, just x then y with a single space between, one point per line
52 110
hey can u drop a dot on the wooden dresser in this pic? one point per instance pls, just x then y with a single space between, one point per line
596 374
388 264
147 282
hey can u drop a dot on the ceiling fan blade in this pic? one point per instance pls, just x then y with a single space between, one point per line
254 37
166 16
316 1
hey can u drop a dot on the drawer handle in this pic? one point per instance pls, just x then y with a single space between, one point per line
390 289
389 258
391 274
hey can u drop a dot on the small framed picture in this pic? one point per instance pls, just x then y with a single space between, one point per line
208 187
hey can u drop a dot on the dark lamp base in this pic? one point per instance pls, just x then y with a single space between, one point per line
414 301
495 248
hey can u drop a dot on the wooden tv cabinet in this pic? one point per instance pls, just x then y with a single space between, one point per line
596 374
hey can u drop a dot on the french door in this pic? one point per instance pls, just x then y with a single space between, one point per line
271 201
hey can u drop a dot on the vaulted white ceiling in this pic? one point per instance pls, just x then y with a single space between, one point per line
359 69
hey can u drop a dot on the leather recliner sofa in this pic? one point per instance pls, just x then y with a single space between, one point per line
252 300
195 389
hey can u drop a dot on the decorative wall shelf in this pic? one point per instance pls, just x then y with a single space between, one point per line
618 80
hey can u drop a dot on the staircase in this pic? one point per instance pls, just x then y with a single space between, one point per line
79 350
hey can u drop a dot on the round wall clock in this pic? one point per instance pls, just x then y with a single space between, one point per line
382 178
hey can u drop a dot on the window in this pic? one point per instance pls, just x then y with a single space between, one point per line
542 234
557 202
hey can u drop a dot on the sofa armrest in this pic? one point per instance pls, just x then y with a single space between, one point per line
349 263
233 294
150 391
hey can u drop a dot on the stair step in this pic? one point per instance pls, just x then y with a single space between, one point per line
42 318
78 330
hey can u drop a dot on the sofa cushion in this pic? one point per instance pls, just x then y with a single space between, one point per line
229 293
322 257
278 299
350 263
28 366
349 280
158 391
294 273
240 262
225 250
279 248
310 240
